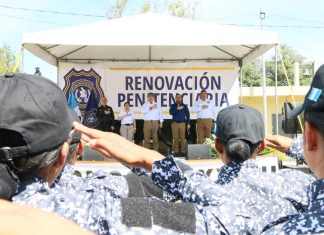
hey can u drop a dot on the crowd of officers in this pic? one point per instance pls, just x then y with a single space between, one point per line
153 121
41 138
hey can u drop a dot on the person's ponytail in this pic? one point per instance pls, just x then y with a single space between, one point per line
8 182
239 150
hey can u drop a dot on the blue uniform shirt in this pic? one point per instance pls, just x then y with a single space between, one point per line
246 204
243 205
296 150
94 203
228 172
311 221
180 113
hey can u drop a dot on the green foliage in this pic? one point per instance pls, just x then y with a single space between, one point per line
180 8
308 73
266 152
252 75
183 8
8 60
147 7
290 56
211 142
117 9
177 8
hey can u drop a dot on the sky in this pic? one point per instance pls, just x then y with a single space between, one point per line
307 41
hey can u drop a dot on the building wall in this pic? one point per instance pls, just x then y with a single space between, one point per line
257 103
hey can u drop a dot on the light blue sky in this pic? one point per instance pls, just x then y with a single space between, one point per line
309 42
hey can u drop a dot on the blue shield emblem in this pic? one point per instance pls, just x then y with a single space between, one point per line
82 83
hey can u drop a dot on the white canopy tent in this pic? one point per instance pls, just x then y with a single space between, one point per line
150 38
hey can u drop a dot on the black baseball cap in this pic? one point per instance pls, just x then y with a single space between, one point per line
36 109
240 122
313 106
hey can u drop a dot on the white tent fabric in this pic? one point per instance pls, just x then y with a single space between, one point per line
149 37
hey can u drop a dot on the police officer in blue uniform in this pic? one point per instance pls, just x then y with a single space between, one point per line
35 141
180 123
250 141
246 202
311 219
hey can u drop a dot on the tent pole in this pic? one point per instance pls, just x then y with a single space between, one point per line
264 91
276 89
21 66
241 83
57 73
262 16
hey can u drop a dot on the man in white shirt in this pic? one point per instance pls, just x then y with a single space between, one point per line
128 126
153 120
205 115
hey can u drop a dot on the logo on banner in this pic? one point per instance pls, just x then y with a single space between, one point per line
82 83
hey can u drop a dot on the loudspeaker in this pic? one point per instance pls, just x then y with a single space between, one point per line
290 125
198 151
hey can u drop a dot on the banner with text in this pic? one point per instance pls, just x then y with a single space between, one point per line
121 82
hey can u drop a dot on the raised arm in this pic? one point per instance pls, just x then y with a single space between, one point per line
171 175
292 147
180 180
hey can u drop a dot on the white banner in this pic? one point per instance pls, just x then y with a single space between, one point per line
121 82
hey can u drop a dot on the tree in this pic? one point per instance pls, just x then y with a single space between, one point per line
8 60
251 75
308 71
181 8
289 57
177 8
252 71
146 7
117 9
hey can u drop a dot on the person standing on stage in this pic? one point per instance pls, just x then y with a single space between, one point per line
180 121
153 120
128 124
105 116
205 115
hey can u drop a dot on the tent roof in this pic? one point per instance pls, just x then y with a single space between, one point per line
149 37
